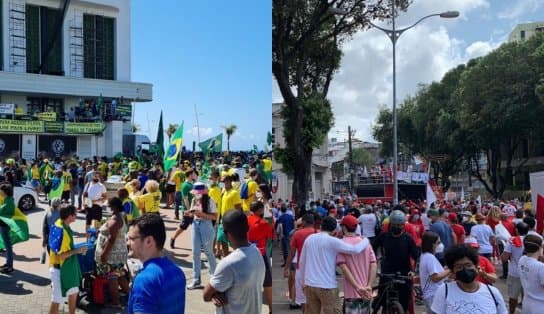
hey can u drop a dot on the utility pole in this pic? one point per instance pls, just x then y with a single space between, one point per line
351 182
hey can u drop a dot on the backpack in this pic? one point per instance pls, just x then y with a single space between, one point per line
244 190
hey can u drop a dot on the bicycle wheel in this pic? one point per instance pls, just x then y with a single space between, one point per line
395 308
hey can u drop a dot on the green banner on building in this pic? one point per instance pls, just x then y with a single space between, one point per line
83 127
21 126
124 110
53 127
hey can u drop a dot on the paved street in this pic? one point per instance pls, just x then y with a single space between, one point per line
27 289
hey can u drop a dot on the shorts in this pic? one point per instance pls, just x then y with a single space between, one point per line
35 183
299 291
170 188
221 236
65 195
56 292
267 273
514 287
93 213
186 221
357 306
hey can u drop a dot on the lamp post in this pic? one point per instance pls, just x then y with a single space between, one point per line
394 35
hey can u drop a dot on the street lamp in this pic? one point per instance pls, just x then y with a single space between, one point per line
394 34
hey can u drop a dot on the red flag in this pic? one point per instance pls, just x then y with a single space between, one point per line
539 213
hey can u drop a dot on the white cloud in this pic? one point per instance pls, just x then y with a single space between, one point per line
519 9
204 132
480 48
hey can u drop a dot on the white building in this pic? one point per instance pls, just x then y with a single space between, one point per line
525 31
89 56
320 177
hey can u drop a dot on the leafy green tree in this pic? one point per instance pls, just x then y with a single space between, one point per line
229 130
362 158
306 54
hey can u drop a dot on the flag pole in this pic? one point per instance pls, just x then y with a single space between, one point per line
197 125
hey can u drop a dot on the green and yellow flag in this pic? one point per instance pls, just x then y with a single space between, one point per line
212 145
18 226
174 149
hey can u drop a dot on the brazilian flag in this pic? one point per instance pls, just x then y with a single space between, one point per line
18 223
213 144
174 148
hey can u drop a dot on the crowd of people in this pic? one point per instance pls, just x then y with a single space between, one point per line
443 256
229 209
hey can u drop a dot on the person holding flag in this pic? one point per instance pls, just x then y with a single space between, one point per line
13 226
172 153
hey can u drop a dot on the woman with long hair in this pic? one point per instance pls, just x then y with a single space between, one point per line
204 212
493 219
431 272
531 272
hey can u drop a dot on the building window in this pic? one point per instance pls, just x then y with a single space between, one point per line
43 42
539 29
273 137
37 105
98 46
522 35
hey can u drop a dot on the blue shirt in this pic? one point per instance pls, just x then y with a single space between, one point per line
158 289
288 223
444 232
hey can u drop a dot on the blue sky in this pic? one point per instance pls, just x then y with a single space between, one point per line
364 82
212 54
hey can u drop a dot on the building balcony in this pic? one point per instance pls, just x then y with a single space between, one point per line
49 127
50 85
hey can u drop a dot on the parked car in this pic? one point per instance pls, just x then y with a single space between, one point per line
25 197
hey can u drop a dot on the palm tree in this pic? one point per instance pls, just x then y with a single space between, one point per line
136 128
171 130
229 129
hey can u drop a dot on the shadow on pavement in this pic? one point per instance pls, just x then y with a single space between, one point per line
177 258
23 258
13 284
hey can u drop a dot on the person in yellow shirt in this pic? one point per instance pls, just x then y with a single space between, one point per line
35 176
178 178
67 177
252 188
151 201
229 201
267 167
214 191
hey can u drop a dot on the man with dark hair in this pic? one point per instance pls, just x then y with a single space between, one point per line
186 199
531 222
236 285
160 286
63 262
466 295
260 232
317 267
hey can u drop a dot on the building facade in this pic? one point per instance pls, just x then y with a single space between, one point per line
525 31
320 175
65 78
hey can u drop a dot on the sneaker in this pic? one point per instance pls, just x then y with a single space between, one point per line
6 270
195 285
172 243
294 306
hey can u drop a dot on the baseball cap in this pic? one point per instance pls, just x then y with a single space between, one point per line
472 242
433 212
350 221
452 216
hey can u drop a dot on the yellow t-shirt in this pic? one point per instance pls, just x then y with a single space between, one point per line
215 194
67 181
252 188
35 173
151 202
178 177
229 200
129 188
267 164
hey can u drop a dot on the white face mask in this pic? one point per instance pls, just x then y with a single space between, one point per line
439 248
465 218
259 195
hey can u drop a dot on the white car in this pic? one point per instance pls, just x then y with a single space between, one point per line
25 197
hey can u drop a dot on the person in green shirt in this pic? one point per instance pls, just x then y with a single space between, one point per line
186 199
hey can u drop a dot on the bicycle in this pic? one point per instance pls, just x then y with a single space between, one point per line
390 293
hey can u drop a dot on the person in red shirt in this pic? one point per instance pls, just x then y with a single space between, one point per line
260 231
486 270
417 226
457 228
297 241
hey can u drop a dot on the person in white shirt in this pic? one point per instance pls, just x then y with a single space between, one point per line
531 222
431 272
531 272
466 295
317 267
513 250
94 194
368 222
484 235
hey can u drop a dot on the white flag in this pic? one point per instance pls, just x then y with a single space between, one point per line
479 199
431 197
462 194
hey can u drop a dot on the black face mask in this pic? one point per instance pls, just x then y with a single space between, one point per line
466 275
396 230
